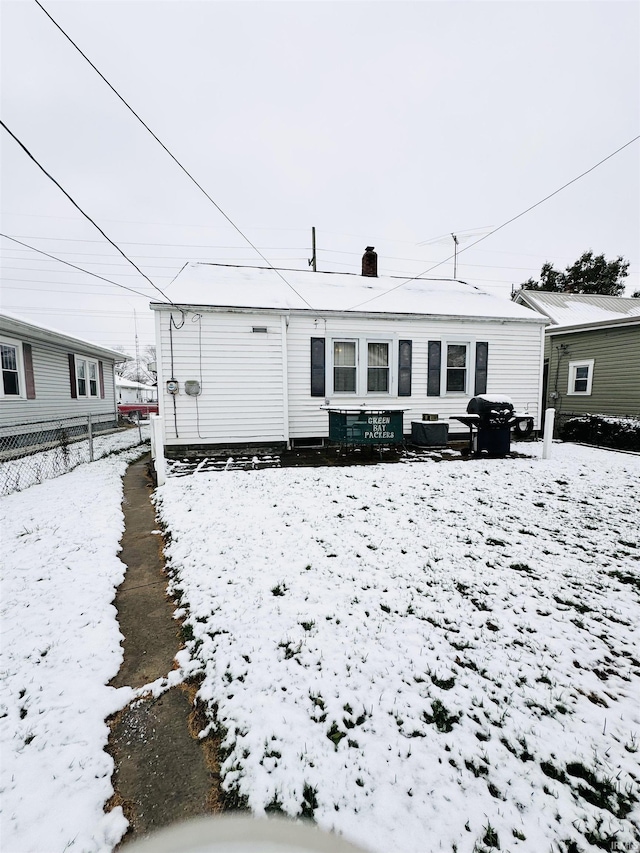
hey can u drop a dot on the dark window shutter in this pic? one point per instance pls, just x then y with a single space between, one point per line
317 367
27 358
482 356
404 368
72 376
433 370
101 377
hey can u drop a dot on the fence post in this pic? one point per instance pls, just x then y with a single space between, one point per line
549 418
90 436
157 448
139 427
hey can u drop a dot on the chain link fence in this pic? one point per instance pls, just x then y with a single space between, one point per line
33 452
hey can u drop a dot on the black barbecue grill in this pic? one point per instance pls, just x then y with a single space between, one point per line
490 420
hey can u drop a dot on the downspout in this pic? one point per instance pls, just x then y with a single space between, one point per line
284 324
561 350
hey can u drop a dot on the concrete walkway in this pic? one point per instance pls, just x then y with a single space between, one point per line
163 773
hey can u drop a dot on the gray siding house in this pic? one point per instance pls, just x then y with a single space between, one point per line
254 356
49 376
592 352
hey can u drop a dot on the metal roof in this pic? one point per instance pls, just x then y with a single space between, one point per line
578 309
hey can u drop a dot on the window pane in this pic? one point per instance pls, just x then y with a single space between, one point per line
456 379
580 385
582 372
93 379
81 373
378 379
344 353
456 355
378 355
10 382
344 379
9 358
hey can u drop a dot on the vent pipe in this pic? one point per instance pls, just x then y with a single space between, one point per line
370 263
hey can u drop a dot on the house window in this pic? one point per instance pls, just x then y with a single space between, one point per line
345 367
378 367
457 365
580 377
87 377
349 374
12 378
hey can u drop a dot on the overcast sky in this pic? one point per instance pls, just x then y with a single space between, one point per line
389 124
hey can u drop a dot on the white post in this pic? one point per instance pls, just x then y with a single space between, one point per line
157 445
549 418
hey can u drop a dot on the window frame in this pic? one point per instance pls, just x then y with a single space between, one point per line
572 377
83 359
22 384
444 368
362 365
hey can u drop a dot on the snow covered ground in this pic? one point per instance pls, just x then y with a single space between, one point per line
60 646
26 471
426 656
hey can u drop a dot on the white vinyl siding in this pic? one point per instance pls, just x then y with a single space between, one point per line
514 365
240 373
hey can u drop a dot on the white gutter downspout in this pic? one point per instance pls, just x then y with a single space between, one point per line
284 323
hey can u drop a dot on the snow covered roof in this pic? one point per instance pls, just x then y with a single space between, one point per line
121 382
576 309
16 325
218 285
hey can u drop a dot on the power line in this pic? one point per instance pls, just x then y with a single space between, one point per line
77 206
179 245
175 159
504 224
95 275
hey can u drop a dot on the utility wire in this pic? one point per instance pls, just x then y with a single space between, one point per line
500 227
77 206
175 159
95 275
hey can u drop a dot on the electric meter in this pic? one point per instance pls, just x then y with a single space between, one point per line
172 386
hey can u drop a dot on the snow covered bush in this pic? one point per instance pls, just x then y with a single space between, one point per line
620 433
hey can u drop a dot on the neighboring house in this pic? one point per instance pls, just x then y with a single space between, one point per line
48 375
254 354
130 392
136 397
592 352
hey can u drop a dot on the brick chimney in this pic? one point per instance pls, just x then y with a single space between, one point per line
370 263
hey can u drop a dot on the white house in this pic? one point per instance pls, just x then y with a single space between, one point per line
50 375
250 356
130 392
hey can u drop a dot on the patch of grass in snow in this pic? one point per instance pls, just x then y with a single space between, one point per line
309 801
290 651
279 589
601 791
440 717
627 578
442 683
490 840
335 735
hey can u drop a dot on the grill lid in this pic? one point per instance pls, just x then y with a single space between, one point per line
489 404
